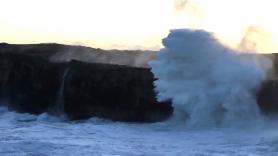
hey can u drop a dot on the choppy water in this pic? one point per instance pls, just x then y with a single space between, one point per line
25 134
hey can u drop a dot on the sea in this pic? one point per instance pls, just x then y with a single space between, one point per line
46 135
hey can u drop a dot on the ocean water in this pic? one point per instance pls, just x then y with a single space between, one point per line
43 135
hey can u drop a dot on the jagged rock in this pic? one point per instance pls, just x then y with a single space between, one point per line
30 82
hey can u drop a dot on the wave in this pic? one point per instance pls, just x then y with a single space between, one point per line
208 83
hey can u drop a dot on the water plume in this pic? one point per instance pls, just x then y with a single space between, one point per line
206 81
181 4
189 6
257 39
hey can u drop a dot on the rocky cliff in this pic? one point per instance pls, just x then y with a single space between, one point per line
43 78
267 96
31 82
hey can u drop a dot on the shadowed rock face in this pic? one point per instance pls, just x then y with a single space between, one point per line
117 92
30 82
267 96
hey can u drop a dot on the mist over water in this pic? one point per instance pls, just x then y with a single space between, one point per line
208 83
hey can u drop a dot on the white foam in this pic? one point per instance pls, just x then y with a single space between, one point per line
48 136
206 81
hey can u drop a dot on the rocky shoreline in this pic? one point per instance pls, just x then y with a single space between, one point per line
32 81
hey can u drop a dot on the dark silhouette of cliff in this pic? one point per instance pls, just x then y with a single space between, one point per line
32 82
85 82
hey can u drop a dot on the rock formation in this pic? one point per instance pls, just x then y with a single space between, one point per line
42 78
267 96
31 82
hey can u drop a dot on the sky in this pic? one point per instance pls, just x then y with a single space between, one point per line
138 24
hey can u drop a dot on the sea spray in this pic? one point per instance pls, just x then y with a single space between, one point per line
207 82
60 110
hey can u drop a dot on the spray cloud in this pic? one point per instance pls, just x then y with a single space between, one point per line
257 39
181 4
211 84
189 6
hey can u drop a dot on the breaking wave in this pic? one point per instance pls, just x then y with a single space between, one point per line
208 83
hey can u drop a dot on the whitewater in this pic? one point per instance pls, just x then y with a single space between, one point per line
212 88
207 82
26 134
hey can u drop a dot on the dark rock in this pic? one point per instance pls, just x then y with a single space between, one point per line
116 92
267 97
30 82
65 53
